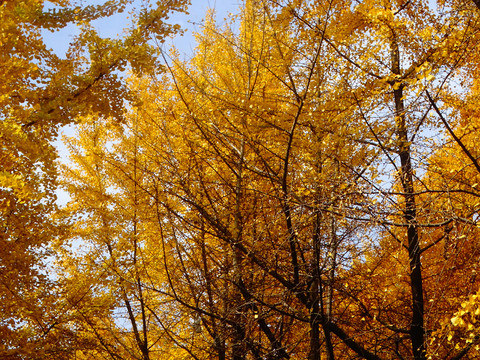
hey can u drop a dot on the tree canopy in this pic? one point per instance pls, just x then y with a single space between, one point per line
305 185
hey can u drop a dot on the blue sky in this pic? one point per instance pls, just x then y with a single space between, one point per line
114 25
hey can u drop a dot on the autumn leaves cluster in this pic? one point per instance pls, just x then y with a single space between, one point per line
303 186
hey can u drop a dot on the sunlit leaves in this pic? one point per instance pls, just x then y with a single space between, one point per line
255 200
39 92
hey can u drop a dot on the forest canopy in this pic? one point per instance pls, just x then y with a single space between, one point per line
304 185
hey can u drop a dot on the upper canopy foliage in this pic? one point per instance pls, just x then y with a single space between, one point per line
39 92
304 186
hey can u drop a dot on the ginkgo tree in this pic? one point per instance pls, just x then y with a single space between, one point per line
410 54
257 197
40 92
209 168
109 269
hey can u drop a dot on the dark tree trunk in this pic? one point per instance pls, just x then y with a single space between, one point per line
417 330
